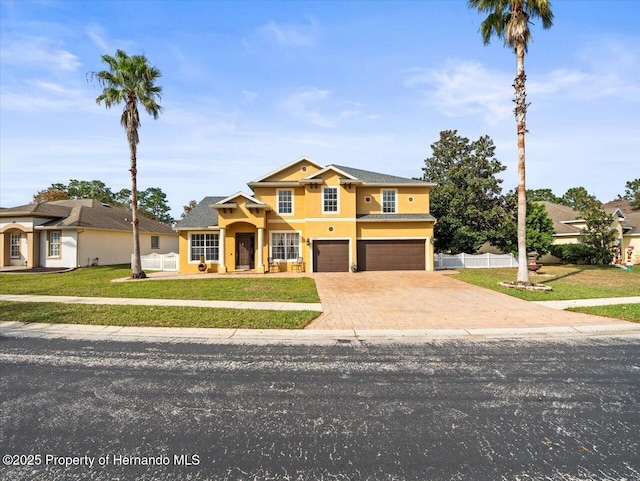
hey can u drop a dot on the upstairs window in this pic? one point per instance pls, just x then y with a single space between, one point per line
389 202
330 199
285 202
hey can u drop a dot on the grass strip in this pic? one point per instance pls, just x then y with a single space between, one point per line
96 282
153 316
627 312
568 282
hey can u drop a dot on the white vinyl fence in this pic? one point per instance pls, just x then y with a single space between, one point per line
474 261
160 262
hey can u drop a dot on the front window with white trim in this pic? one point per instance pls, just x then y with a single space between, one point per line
389 202
285 245
206 245
330 199
54 243
15 246
285 202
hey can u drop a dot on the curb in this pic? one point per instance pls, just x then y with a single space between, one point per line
168 334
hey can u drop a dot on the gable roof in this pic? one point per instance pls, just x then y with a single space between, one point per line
562 217
284 167
252 200
202 215
369 177
85 213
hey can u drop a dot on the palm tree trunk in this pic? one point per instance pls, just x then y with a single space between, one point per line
521 123
136 268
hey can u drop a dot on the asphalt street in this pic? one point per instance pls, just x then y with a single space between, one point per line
443 410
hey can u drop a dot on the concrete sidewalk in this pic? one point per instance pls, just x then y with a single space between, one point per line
608 301
127 301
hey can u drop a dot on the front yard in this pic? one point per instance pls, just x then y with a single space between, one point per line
96 282
568 282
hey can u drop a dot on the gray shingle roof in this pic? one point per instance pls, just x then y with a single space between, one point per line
86 213
375 177
201 216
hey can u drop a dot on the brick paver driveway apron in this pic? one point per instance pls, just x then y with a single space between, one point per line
427 300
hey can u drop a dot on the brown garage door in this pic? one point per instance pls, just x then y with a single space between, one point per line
391 255
331 256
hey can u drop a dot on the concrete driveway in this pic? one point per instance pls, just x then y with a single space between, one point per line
427 300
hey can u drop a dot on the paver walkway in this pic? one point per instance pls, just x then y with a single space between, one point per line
428 300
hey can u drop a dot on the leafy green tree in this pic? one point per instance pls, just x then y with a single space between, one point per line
123 198
632 193
543 195
132 81
153 204
540 228
509 20
95 189
467 200
578 198
599 234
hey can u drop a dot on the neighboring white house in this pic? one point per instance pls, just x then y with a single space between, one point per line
76 233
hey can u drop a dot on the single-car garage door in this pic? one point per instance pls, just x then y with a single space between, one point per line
391 255
331 256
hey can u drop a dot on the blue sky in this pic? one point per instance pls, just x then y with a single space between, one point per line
250 86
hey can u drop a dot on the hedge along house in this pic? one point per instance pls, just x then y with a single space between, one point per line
76 233
309 217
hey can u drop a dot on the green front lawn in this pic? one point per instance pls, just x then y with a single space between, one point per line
627 312
96 282
153 316
568 282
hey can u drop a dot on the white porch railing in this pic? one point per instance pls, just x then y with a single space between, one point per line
160 262
474 261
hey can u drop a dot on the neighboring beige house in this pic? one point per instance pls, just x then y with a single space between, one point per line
76 233
626 222
309 217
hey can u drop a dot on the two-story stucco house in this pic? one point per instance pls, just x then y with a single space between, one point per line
310 217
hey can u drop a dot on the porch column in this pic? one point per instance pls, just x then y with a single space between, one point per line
260 265
31 250
222 264
3 250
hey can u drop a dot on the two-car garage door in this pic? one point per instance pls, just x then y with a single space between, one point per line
391 255
373 255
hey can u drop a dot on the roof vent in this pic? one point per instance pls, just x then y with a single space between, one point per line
105 205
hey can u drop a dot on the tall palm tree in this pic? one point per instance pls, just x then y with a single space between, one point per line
509 20
131 80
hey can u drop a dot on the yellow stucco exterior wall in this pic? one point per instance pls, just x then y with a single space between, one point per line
308 218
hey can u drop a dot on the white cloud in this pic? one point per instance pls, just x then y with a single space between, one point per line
319 107
38 95
464 89
291 35
96 34
39 52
